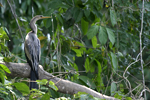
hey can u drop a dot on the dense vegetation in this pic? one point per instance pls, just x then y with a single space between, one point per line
101 44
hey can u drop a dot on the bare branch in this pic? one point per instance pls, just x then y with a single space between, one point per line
141 57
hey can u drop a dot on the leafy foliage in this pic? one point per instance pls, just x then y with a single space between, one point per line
93 41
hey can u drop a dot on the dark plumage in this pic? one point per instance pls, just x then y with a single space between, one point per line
32 51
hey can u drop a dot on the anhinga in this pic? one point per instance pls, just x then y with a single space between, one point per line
32 51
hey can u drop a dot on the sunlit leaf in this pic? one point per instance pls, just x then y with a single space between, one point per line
22 87
129 98
42 82
99 78
3 34
99 67
87 64
52 85
78 52
94 42
5 68
46 96
7 59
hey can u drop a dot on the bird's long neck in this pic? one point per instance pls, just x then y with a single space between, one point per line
33 25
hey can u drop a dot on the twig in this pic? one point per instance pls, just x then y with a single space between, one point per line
142 93
79 30
53 38
141 60
134 89
16 19
136 60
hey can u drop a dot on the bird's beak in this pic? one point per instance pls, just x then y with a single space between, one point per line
45 17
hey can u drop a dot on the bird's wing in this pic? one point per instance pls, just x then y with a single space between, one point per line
39 50
28 52
32 51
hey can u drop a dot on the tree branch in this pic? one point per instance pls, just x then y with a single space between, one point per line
141 56
16 20
64 86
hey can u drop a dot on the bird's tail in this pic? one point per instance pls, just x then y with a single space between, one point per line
33 78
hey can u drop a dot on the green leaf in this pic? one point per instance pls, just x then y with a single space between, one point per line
22 87
111 35
3 89
59 18
2 76
38 4
5 68
119 95
113 88
102 36
87 13
87 64
48 23
3 34
28 2
114 61
88 81
99 78
46 96
42 82
6 59
128 98
79 16
78 52
52 85
99 67
92 31
113 17
94 42
70 68
84 26
54 4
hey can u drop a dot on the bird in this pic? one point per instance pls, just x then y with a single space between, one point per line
32 51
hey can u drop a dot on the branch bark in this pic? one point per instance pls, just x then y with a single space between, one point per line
64 86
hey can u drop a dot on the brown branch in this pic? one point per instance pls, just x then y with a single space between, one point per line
64 86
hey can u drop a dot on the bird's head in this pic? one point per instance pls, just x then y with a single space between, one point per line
33 21
37 17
